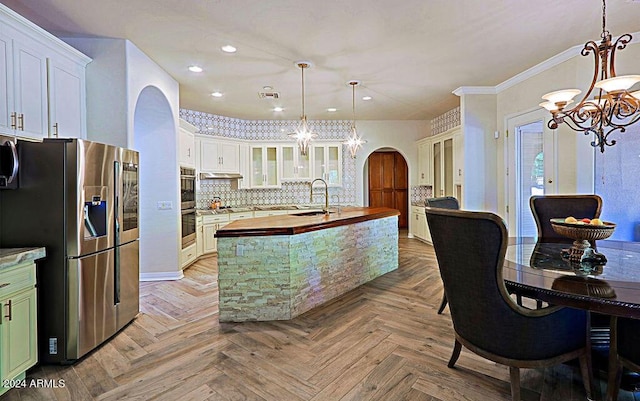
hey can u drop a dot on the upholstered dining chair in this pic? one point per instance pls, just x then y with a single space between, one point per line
623 352
444 202
470 249
547 207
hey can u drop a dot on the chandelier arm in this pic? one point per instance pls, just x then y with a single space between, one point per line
590 47
619 44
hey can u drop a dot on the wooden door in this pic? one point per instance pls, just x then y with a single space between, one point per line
388 183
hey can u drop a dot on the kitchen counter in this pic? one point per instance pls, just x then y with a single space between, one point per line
292 224
240 209
10 257
278 267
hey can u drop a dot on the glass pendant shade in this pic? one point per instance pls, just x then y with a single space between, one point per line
617 84
354 141
549 106
564 95
303 134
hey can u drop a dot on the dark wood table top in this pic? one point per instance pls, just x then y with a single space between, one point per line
538 270
290 224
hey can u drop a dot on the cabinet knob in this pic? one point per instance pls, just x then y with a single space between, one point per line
550 181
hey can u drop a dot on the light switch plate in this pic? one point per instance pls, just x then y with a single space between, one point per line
165 205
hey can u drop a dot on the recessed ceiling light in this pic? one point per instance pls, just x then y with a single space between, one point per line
228 49
195 68
278 109
366 98
216 94
332 109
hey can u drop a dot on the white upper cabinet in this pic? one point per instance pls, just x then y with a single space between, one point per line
295 166
327 162
424 163
24 79
264 166
187 144
219 156
67 99
42 82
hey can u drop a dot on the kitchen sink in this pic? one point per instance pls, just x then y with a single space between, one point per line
314 213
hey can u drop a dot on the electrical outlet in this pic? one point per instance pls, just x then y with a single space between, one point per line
165 205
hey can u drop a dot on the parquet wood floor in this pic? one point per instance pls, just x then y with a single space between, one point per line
382 341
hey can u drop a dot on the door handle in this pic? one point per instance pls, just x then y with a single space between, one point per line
55 130
21 122
13 120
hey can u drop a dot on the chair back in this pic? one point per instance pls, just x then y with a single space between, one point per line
470 248
548 207
444 202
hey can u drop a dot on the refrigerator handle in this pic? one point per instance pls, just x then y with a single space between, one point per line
116 216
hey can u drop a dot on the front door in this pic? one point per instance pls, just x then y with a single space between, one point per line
532 167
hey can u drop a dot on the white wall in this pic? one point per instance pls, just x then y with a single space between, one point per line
122 82
399 135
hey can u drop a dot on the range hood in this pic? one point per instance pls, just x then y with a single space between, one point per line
220 176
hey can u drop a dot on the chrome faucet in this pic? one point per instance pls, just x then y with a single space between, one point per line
326 194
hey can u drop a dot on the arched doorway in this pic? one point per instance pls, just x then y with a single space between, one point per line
154 137
389 182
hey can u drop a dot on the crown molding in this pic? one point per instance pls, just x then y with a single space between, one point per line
531 72
475 90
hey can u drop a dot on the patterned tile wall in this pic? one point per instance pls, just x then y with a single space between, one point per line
446 121
273 130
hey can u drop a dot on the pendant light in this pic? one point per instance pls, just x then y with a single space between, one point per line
303 134
353 142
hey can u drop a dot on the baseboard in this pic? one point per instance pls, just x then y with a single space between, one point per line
161 276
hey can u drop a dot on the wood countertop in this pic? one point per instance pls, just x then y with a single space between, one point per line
292 224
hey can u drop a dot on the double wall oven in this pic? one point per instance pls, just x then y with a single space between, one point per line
188 205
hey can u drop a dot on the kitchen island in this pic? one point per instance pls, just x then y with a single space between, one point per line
278 267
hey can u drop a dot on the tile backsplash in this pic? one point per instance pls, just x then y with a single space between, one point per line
276 130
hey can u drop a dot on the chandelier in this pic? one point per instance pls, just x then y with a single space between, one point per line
303 134
612 108
354 142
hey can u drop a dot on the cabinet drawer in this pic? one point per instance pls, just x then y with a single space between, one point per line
240 216
187 255
216 218
17 278
417 209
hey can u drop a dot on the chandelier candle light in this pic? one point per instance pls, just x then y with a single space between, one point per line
354 142
303 134
613 108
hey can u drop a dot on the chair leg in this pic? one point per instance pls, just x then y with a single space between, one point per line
615 375
514 375
587 373
519 299
443 303
457 347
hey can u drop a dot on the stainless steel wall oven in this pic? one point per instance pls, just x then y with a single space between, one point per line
188 205
187 188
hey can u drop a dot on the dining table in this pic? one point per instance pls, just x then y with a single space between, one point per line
542 271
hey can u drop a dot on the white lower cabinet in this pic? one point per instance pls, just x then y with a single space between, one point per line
188 255
18 322
420 228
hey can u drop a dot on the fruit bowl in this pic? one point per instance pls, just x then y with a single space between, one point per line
581 234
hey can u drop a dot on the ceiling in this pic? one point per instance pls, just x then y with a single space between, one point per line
409 55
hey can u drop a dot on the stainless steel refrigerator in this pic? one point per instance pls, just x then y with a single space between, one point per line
79 199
